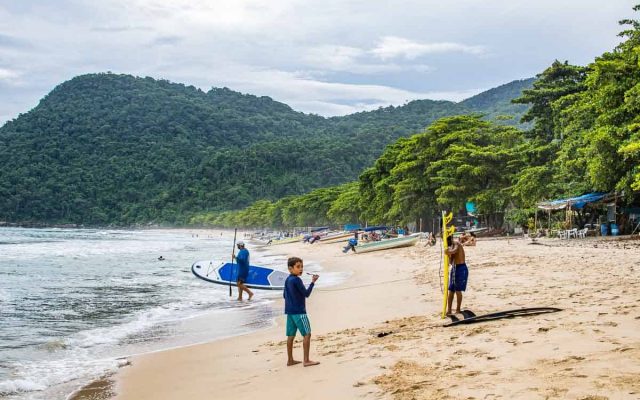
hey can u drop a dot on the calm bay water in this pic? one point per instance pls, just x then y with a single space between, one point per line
74 302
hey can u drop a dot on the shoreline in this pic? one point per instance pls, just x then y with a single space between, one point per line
102 387
379 334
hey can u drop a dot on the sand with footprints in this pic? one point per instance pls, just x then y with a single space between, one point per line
379 335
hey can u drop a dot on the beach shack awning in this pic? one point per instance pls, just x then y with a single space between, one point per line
576 203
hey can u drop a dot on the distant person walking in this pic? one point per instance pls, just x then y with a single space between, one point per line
242 258
351 245
431 240
458 274
468 239
295 295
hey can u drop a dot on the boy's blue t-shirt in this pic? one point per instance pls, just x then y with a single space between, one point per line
295 294
242 258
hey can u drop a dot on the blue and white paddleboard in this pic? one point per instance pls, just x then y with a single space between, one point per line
258 278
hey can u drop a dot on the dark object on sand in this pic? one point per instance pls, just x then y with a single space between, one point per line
470 317
466 314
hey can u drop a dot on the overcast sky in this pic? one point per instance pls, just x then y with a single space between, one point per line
329 57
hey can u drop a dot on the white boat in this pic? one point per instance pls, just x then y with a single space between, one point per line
276 241
259 242
336 237
404 241
286 240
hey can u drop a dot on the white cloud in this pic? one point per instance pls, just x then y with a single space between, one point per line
324 108
393 47
353 60
202 15
8 76
331 98
297 87
337 58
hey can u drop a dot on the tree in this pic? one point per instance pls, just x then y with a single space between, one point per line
345 208
607 115
557 81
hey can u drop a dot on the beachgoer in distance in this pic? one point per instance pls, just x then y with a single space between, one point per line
468 239
160 258
458 274
351 245
295 295
431 240
242 258
314 238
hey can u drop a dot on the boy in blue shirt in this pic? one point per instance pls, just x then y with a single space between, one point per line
295 295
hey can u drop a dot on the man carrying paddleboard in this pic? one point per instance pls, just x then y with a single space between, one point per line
242 258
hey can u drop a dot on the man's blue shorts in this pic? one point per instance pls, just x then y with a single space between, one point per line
298 322
243 274
458 278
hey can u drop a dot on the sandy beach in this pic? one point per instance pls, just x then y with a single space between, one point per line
379 334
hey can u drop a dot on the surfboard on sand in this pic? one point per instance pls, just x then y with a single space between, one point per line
258 278
469 317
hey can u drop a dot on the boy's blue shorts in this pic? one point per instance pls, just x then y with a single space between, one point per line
458 278
298 322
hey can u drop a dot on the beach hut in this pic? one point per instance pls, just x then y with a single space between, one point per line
578 206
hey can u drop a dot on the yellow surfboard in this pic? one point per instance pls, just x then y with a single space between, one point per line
446 231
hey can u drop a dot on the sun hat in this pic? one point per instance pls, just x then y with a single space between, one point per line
240 243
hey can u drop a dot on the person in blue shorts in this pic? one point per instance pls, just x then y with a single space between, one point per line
295 295
242 258
458 274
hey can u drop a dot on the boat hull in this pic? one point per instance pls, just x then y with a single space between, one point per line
405 241
343 237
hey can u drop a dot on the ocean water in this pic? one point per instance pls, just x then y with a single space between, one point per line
75 302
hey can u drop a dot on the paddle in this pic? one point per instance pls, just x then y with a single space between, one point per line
233 254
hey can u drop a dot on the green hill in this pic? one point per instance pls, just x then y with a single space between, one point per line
117 149
496 103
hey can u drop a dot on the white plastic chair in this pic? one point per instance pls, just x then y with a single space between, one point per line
562 234
572 233
582 233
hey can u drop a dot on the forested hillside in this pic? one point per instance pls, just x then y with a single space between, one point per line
117 149
496 103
